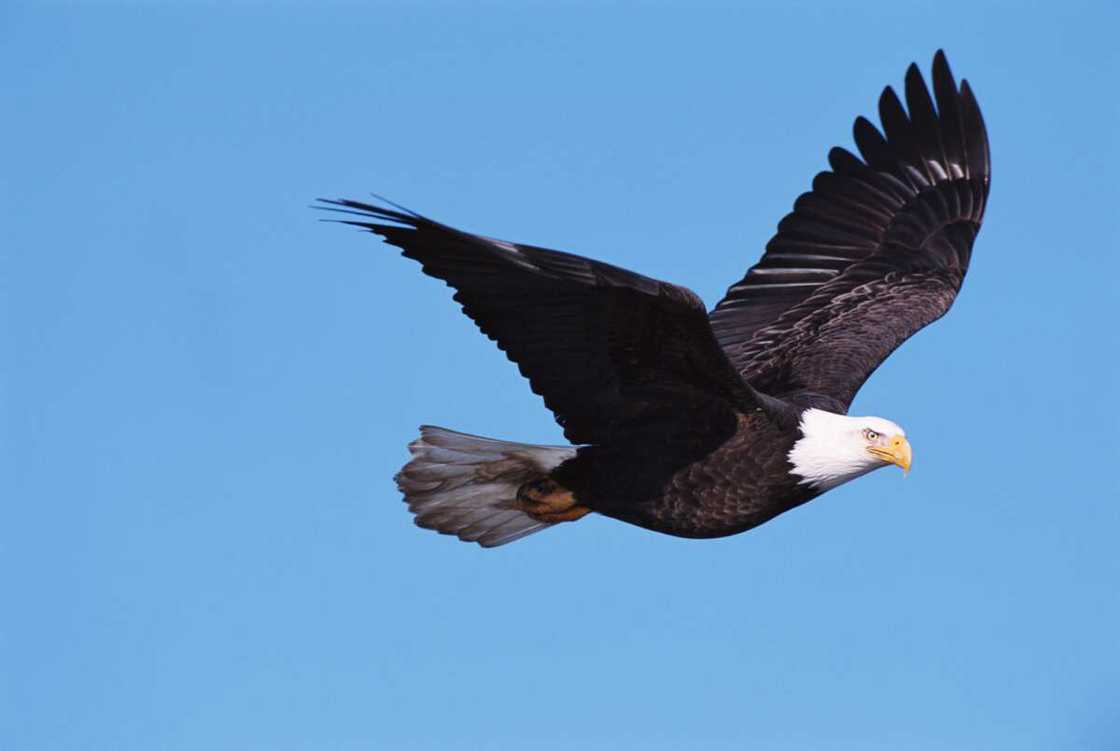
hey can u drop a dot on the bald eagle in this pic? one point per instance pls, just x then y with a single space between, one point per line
703 424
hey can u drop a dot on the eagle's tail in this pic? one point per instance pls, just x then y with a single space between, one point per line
466 485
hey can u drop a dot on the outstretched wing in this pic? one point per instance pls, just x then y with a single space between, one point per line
605 347
877 250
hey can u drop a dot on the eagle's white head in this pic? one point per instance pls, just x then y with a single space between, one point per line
836 448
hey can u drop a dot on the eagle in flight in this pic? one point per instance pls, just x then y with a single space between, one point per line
696 423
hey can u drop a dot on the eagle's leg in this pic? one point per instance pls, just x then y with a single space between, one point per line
548 501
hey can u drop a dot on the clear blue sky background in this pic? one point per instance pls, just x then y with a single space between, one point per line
205 392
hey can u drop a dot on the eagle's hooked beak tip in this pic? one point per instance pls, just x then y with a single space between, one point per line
901 453
897 452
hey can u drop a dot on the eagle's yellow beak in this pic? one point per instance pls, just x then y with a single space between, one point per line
897 451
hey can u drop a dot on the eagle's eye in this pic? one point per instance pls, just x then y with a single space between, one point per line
870 434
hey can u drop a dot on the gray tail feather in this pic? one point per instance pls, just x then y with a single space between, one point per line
466 485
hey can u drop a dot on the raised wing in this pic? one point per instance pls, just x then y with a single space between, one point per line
877 250
608 349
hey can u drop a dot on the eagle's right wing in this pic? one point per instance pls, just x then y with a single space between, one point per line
877 250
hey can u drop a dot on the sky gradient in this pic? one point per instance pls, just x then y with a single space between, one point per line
205 392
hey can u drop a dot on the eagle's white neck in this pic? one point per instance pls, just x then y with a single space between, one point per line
833 450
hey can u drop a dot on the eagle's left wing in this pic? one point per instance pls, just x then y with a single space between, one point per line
877 250
610 351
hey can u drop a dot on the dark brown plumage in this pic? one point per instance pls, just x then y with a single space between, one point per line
684 420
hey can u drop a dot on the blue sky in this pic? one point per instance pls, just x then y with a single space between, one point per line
205 392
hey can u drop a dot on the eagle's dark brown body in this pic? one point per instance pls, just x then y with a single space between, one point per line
739 484
681 420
